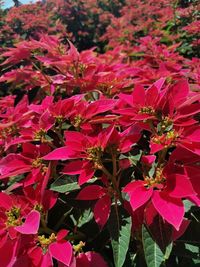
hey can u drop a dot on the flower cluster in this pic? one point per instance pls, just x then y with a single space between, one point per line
99 153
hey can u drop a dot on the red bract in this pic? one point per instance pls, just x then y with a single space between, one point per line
13 210
38 128
91 149
85 114
165 190
12 119
90 259
99 133
30 160
102 206
142 105
43 249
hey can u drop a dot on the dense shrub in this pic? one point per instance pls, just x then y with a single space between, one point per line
100 146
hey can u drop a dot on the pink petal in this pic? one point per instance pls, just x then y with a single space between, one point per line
22 261
100 106
107 136
49 199
125 145
171 209
194 174
31 224
73 167
91 192
102 210
87 173
193 147
148 159
8 253
5 201
184 225
77 137
150 214
193 134
82 260
36 256
90 259
61 153
12 163
132 186
179 186
180 92
159 83
62 234
138 95
46 261
61 251
127 98
155 147
16 172
152 96
140 196
124 163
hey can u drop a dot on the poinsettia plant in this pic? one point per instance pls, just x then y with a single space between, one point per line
100 152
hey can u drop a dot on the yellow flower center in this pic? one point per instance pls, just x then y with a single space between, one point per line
40 135
77 121
172 135
38 207
11 130
94 154
147 110
166 122
44 242
167 139
156 180
59 119
13 217
79 248
36 163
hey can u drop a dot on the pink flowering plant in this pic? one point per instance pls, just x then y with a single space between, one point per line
100 152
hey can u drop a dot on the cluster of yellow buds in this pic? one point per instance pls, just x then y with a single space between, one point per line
13 217
44 242
40 135
94 154
147 110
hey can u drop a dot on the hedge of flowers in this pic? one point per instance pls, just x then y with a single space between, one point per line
100 146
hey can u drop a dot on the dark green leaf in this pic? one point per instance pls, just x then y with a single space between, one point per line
119 225
65 184
161 233
153 254
85 217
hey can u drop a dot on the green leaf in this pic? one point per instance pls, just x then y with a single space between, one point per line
135 158
153 254
161 233
119 225
85 217
130 260
195 250
187 205
65 184
188 251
